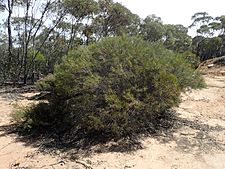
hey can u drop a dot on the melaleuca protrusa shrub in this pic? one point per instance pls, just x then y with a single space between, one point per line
117 87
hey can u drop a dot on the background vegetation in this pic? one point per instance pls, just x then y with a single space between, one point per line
35 35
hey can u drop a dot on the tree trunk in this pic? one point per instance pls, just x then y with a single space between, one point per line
10 43
26 43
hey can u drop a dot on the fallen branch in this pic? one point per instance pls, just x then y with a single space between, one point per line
6 146
60 162
84 164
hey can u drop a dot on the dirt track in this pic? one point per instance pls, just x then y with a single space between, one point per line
200 143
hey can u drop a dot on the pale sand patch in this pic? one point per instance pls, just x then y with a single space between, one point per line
200 144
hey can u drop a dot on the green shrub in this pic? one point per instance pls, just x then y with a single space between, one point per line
19 116
114 88
191 58
179 66
46 84
32 116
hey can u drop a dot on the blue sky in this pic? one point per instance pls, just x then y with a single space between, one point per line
175 11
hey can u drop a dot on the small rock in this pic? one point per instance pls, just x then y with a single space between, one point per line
222 73
210 66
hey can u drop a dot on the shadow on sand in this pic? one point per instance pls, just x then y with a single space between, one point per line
169 130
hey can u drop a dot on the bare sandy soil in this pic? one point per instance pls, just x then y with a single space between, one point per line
198 144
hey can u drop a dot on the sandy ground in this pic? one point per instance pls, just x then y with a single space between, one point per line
198 144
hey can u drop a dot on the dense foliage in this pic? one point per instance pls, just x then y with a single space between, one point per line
114 88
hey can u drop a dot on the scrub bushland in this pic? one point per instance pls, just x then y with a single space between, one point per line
115 88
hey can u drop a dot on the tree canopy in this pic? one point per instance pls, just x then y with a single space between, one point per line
52 28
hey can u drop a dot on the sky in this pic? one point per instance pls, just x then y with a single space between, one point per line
175 11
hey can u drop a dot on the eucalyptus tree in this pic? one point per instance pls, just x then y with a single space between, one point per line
200 18
114 19
7 5
152 28
221 24
176 38
26 20
211 42
80 14
201 21
3 55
